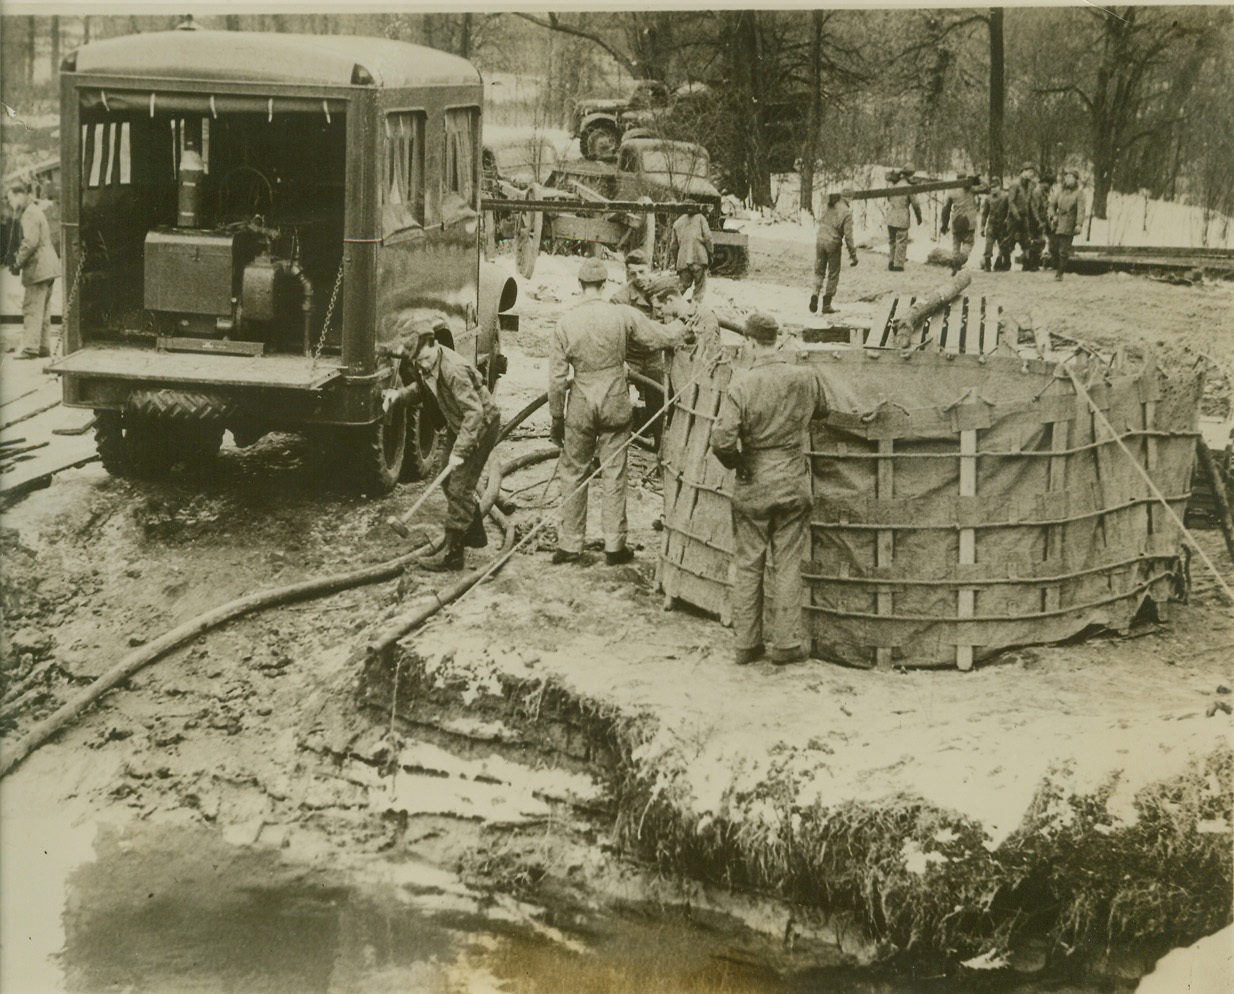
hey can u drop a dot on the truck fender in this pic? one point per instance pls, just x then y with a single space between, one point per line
600 117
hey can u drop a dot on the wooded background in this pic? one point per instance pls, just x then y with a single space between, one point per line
1138 98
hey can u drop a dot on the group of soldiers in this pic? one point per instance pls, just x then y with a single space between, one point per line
594 347
1040 215
1035 214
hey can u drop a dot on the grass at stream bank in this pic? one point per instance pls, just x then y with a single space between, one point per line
1089 879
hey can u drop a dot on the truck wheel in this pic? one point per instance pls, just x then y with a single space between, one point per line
199 446
109 441
600 141
425 447
150 445
375 453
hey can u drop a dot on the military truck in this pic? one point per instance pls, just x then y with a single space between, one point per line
653 170
599 122
247 217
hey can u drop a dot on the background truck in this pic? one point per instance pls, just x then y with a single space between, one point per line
628 203
246 218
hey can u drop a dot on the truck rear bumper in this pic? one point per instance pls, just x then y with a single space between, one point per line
282 391
197 370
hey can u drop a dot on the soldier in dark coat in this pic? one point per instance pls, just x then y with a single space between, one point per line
455 390
993 219
761 432
39 265
1066 219
1025 220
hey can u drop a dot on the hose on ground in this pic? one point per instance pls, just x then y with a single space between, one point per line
304 590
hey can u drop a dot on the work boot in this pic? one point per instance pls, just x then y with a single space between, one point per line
475 536
743 657
1058 275
782 657
446 559
985 265
827 308
564 556
813 302
620 557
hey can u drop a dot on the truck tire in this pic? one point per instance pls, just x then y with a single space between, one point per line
150 446
109 441
181 406
600 141
424 452
373 454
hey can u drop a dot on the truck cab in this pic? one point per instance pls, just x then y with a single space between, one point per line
247 217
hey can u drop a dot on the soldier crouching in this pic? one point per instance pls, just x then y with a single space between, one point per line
452 390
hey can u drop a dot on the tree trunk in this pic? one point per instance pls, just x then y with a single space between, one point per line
747 47
998 91
464 42
809 154
31 49
55 49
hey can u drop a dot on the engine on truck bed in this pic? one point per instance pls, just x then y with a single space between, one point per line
229 256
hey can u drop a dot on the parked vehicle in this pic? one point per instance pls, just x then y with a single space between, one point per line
655 171
248 216
599 122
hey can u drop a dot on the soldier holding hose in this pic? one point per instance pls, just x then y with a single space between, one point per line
442 379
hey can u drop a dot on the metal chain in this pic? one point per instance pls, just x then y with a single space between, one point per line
67 309
325 326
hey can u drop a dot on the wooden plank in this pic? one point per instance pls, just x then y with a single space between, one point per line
967 597
1150 458
1051 596
884 550
877 334
990 315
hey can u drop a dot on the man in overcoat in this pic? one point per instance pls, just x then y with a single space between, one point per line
39 265
1067 219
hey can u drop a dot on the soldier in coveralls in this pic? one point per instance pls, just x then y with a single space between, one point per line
761 433
592 338
452 391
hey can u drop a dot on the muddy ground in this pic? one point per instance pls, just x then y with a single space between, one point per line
254 735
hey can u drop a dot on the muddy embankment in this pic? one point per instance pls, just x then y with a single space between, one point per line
1101 874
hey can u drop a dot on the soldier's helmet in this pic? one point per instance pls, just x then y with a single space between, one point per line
592 271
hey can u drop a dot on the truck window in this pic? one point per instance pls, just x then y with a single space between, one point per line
403 179
461 158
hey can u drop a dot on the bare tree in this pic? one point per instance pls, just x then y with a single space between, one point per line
998 92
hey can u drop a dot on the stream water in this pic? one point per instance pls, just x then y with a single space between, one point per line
161 909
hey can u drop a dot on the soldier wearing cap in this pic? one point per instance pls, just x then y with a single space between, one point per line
633 291
993 218
1066 219
690 247
452 392
592 338
835 227
1025 220
761 432
1047 191
898 208
960 215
